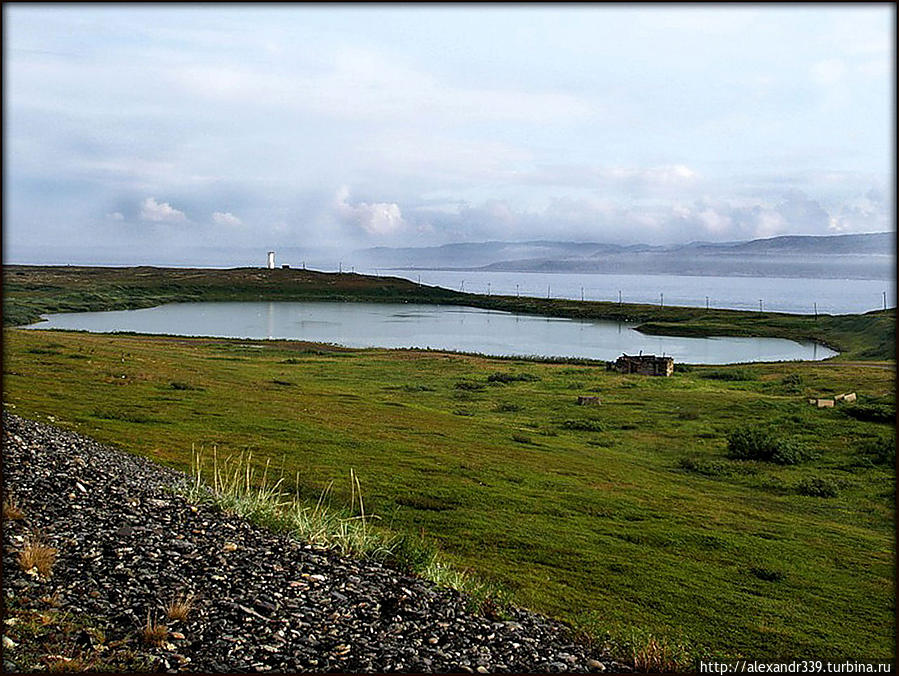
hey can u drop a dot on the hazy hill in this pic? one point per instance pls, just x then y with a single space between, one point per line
864 256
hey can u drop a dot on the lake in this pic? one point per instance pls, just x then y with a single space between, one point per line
456 328
793 295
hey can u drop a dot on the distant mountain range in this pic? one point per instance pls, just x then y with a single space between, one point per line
865 256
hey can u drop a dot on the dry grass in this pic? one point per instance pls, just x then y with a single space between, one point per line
153 633
11 509
657 656
180 607
37 556
67 664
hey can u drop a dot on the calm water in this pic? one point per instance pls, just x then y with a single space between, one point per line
794 295
456 328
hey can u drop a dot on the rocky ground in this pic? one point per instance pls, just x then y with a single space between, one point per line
127 546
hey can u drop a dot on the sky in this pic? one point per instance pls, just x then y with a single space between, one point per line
133 132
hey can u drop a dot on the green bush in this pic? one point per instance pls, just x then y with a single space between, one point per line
507 408
469 385
759 443
583 425
409 555
730 374
767 574
883 451
177 385
522 439
715 468
500 377
880 413
817 487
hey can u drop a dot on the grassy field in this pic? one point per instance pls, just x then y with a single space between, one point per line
30 291
628 517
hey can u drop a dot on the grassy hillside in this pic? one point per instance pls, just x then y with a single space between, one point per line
30 291
626 517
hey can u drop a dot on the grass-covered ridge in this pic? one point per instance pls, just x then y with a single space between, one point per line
628 516
30 291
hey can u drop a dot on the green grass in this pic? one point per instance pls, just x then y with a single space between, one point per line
30 291
643 525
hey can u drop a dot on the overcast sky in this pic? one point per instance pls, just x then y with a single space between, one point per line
132 128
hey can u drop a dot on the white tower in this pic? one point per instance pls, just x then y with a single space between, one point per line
271 260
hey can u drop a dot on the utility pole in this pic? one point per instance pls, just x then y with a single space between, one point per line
582 294
340 266
462 287
706 303
488 289
517 294
547 291
760 305
884 300
661 300
619 297
816 311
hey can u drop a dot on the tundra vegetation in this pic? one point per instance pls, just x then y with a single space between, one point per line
719 515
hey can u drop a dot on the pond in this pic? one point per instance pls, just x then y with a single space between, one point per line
439 327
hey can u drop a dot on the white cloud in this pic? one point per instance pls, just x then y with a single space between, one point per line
364 84
160 212
376 219
226 218
116 216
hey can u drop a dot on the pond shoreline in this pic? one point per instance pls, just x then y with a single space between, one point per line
34 290
445 328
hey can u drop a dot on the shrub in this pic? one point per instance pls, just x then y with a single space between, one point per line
767 574
791 379
883 451
410 555
522 439
879 413
416 388
730 374
682 368
817 487
469 385
500 377
758 443
507 408
583 425
177 385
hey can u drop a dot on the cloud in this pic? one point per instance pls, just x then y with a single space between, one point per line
226 218
116 216
368 85
375 219
160 212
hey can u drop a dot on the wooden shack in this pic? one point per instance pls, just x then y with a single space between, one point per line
645 364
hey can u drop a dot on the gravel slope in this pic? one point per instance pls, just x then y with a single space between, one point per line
127 546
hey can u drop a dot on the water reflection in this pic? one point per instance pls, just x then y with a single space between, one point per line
438 327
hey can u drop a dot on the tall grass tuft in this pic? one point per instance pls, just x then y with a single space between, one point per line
37 556
234 485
